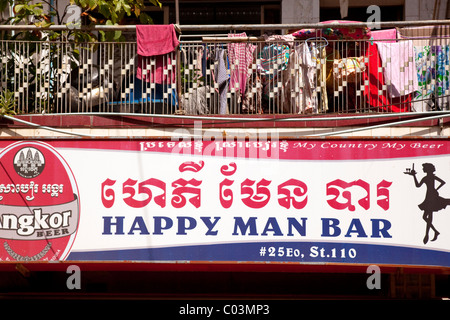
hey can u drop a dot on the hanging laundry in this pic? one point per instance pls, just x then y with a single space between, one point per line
289 39
272 62
195 101
273 58
432 62
241 56
307 79
399 67
198 62
348 69
433 65
251 101
221 78
374 81
156 42
319 56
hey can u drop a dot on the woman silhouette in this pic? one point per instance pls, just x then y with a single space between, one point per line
433 202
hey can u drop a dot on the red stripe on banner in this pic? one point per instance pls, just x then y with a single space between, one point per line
328 149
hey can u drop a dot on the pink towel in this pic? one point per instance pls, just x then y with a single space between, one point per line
400 71
157 42
389 34
154 40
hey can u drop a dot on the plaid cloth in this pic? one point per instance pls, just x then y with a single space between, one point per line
241 56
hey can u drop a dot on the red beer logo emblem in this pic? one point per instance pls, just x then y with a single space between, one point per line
39 203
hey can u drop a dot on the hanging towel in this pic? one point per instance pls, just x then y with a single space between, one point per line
399 67
433 64
374 91
157 42
307 80
154 40
241 56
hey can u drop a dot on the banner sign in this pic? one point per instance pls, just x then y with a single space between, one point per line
297 201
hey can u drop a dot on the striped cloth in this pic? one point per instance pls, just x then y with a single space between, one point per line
241 56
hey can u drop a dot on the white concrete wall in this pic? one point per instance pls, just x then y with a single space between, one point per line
308 11
300 11
363 3
423 10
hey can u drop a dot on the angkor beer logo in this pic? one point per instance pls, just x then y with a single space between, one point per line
29 162
39 203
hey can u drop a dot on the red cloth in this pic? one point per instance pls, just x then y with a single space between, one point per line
374 75
157 42
154 40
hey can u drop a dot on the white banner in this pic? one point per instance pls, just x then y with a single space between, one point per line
314 201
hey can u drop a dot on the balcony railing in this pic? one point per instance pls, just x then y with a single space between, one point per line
314 72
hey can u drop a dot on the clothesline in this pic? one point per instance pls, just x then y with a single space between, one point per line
388 64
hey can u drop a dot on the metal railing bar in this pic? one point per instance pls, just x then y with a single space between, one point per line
353 130
46 91
402 122
288 118
385 24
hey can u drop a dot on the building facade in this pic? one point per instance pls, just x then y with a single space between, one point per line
301 175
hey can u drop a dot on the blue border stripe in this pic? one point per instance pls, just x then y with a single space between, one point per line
309 252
